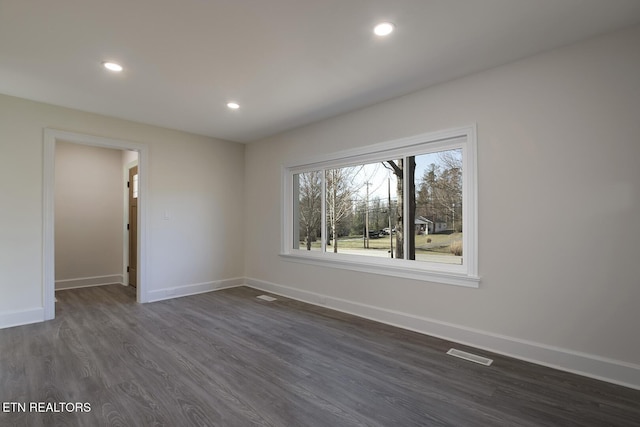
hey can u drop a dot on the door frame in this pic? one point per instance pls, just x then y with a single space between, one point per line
48 256
125 232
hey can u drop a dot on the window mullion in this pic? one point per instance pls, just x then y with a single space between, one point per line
405 208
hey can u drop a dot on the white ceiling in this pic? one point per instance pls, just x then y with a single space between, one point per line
287 62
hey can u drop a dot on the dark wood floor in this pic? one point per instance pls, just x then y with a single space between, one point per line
229 359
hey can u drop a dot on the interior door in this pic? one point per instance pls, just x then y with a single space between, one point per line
133 226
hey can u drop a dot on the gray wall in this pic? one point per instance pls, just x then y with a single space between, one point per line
89 208
559 204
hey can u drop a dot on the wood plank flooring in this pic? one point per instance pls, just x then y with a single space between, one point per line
228 359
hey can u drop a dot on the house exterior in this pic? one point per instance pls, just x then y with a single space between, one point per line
426 226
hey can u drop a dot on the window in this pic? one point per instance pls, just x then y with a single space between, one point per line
135 186
404 208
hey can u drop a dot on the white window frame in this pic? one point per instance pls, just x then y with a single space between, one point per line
463 138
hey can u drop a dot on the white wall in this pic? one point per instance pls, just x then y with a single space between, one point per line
128 157
89 207
197 180
558 141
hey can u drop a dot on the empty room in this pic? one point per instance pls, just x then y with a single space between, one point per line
319 213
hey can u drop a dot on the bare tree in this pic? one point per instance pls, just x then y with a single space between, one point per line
426 193
440 194
310 205
448 194
340 192
376 210
404 229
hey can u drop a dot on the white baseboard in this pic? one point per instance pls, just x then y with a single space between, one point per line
9 319
601 368
197 288
83 282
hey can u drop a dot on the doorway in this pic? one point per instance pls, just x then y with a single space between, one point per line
51 136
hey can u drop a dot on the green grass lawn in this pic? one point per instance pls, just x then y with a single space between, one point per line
439 243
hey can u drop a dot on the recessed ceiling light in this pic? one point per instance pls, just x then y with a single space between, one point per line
112 66
383 29
233 105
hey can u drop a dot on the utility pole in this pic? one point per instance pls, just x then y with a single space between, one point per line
364 232
453 209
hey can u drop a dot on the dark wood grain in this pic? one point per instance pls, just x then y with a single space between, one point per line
229 359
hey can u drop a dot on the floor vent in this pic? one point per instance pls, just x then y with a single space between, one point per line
470 357
266 298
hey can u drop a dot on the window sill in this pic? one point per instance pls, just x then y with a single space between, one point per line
386 267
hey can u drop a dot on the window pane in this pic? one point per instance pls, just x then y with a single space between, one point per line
307 190
135 186
438 207
362 209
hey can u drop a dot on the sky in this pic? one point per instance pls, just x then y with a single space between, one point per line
377 175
